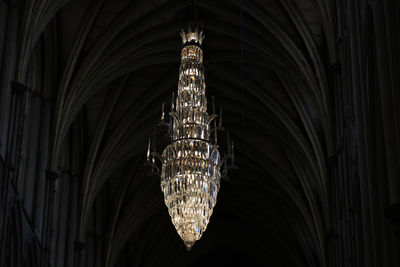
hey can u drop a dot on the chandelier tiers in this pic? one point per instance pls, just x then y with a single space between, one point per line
191 165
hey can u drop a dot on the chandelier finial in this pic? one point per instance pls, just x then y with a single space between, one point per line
148 150
172 102
162 112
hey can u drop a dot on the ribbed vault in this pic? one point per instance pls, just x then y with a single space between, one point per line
265 64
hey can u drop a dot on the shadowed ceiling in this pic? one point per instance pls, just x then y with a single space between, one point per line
265 64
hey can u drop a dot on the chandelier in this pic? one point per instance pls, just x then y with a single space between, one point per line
191 165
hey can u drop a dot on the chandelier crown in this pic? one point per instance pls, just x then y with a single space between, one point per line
191 36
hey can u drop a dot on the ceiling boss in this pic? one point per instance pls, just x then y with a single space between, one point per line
191 164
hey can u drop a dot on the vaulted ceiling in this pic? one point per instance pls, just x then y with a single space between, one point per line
266 64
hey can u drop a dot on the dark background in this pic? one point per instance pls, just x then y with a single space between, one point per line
309 91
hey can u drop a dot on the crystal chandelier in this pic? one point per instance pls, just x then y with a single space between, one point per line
191 164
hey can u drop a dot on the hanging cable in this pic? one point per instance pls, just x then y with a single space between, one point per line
242 92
